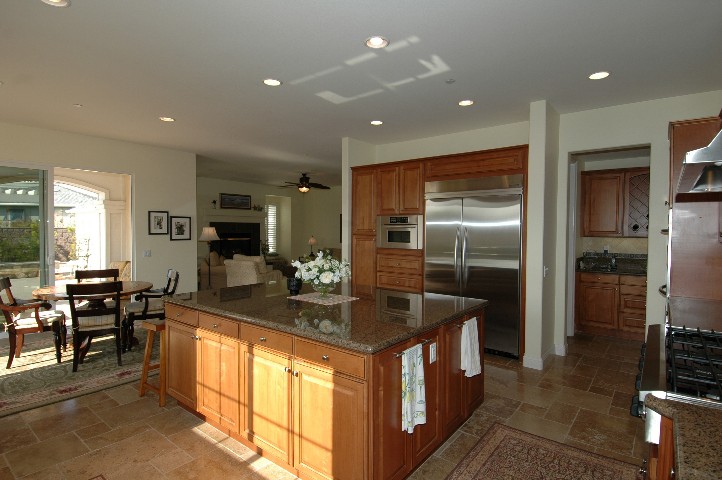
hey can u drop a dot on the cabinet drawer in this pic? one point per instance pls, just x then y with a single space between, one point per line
599 278
410 283
632 290
267 338
338 360
637 280
220 325
182 315
632 322
399 263
633 302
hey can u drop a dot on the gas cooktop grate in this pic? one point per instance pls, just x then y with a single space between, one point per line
694 362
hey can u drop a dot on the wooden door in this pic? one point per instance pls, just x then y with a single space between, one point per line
266 412
392 456
452 404
363 264
363 202
411 188
329 424
685 136
428 436
598 305
209 379
181 362
230 388
602 204
387 190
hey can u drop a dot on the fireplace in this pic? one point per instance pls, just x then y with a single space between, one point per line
237 237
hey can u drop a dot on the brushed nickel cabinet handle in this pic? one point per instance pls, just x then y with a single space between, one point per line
195 337
295 373
286 369
262 339
215 325
325 358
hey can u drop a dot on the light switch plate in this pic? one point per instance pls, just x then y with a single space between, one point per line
432 353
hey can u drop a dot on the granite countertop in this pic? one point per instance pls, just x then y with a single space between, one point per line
617 263
697 437
362 325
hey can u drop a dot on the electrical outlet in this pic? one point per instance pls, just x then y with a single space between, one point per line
432 353
146 253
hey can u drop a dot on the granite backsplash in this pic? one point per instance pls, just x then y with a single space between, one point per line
622 263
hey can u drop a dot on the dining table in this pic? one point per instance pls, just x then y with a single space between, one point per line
55 293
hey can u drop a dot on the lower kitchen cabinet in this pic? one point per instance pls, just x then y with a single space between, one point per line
661 457
181 381
611 305
400 270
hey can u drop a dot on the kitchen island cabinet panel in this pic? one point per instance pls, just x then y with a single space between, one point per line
218 376
181 368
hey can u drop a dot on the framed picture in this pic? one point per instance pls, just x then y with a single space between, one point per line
157 223
231 200
180 228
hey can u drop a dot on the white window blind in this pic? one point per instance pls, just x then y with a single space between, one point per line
271 227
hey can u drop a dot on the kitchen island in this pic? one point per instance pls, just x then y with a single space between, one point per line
317 388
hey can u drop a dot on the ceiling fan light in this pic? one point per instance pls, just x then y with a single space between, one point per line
57 3
303 188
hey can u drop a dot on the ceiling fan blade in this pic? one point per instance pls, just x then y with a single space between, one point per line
319 186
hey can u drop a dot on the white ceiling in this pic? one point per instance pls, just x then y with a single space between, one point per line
130 61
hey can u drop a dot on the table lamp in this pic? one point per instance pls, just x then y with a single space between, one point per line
209 235
312 242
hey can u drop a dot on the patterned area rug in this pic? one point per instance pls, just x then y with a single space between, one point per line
505 453
35 378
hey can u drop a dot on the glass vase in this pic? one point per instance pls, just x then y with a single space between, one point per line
323 289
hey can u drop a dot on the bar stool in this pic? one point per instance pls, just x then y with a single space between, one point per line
153 327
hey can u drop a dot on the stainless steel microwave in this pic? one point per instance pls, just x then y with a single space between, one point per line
400 231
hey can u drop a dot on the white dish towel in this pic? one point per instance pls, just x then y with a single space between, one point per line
413 390
470 357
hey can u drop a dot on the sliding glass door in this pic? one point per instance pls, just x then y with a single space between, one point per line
23 229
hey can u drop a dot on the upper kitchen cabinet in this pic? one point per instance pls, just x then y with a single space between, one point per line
499 161
615 203
400 189
684 136
363 210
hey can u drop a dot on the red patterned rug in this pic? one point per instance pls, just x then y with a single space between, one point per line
506 453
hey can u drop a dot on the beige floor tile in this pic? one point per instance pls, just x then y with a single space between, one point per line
604 431
210 431
435 468
51 473
273 472
498 405
538 426
588 400
15 433
239 449
562 413
37 457
171 460
3 462
195 444
212 466
6 474
173 421
116 435
459 447
523 393
138 409
52 426
92 430
532 409
134 470
123 394
479 423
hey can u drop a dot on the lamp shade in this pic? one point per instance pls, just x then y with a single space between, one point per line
312 241
209 234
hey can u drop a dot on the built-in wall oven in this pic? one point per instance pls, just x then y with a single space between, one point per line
400 231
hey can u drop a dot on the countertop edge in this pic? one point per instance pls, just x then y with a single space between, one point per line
330 340
697 436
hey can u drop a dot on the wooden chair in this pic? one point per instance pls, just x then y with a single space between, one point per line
147 305
24 316
81 275
93 316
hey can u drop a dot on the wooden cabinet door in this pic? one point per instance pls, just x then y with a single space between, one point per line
685 136
427 437
387 190
392 456
598 305
411 188
363 201
218 379
452 392
329 424
181 374
636 203
266 411
602 204
363 264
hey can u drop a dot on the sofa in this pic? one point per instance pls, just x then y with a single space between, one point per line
213 264
247 270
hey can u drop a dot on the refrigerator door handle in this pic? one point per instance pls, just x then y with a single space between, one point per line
457 270
464 257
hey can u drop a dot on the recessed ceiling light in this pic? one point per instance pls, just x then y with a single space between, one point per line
78 105
272 82
166 119
598 75
57 3
466 103
376 122
377 42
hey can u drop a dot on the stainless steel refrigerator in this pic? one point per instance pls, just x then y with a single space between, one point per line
473 249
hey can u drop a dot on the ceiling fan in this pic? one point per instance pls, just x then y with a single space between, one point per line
305 184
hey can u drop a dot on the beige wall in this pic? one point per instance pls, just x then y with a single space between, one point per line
162 179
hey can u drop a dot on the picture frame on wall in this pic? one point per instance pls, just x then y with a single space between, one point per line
157 222
232 200
180 228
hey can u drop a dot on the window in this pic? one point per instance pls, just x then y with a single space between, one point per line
271 227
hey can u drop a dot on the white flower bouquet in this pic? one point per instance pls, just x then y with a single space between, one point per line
323 272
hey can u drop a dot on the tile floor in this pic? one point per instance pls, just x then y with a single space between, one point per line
581 399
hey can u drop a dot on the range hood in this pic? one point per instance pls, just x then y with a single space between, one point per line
701 176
